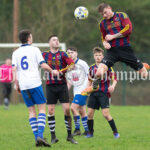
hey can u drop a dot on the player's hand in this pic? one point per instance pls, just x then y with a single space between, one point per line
106 45
109 37
17 88
111 89
55 73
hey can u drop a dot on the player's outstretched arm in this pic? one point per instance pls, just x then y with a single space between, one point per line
46 67
49 69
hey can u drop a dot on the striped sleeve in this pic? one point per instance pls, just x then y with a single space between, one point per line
68 61
126 23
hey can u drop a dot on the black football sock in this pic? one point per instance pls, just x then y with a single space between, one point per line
113 126
51 123
68 122
90 126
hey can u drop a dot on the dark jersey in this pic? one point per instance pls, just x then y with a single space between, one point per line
59 61
105 83
120 22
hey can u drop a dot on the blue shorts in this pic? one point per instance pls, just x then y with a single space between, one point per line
80 99
33 96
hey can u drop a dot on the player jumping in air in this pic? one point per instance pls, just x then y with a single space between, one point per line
115 28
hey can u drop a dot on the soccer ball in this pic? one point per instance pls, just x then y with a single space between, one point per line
81 13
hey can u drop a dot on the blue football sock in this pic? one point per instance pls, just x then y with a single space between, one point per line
84 123
34 126
77 122
41 124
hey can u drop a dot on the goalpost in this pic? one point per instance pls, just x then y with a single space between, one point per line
40 45
15 45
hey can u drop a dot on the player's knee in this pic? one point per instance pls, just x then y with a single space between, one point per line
83 113
32 113
144 72
107 116
90 116
51 111
72 109
67 111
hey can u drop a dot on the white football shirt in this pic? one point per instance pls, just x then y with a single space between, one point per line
27 59
82 76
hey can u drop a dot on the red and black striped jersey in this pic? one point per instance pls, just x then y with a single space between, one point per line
105 83
120 22
59 61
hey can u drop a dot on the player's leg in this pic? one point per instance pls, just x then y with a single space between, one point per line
64 99
92 105
41 119
111 122
84 118
5 95
108 61
102 69
38 97
32 113
76 117
104 102
9 92
127 55
33 121
90 122
52 122
51 101
82 111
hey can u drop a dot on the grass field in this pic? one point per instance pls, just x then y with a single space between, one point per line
133 124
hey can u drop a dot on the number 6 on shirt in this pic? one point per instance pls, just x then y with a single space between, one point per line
24 63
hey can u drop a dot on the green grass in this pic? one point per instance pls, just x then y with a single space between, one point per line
133 124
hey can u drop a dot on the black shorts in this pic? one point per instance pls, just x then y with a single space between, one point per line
124 54
97 100
57 92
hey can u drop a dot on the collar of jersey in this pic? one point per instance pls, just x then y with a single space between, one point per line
76 60
25 45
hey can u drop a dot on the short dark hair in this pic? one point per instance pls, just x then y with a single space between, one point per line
98 50
53 35
24 35
72 49
102 6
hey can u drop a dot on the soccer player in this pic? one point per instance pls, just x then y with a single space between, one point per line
6 81
100 98
80 80
115 28
25 62
56 87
